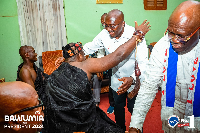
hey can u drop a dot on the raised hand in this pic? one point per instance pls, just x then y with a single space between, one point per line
144 27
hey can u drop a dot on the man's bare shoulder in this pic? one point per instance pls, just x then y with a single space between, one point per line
28 75
27 71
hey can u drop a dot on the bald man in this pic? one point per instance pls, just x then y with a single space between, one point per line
116 33
29 73
174 64
20 100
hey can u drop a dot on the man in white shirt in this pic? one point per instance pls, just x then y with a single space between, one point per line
174 64
116 33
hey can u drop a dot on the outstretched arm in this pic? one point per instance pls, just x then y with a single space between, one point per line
149 86
111 60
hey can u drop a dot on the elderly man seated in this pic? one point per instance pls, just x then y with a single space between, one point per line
21 109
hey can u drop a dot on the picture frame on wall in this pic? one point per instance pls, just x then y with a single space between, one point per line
109 1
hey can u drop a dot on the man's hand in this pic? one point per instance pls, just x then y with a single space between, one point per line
127 81
144 27
59 61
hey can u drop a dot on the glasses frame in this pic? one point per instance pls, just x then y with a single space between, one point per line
185 39
112 26
30 108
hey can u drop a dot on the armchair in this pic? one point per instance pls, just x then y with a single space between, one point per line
48 60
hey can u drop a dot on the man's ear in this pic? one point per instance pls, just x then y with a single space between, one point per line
15 124
123 23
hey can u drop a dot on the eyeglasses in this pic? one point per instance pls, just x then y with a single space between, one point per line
30 108
111 26
182 40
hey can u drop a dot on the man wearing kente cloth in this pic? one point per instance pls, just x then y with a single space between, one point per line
174 64
29 73
70 105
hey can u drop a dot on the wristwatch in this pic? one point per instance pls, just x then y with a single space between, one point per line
133 80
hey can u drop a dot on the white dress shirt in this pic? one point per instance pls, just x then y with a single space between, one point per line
154 78
126 68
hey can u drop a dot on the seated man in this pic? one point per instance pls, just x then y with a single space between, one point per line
70 105
29 73
20 100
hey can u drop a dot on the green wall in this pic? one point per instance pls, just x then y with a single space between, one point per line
9 40
83 18
82 22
